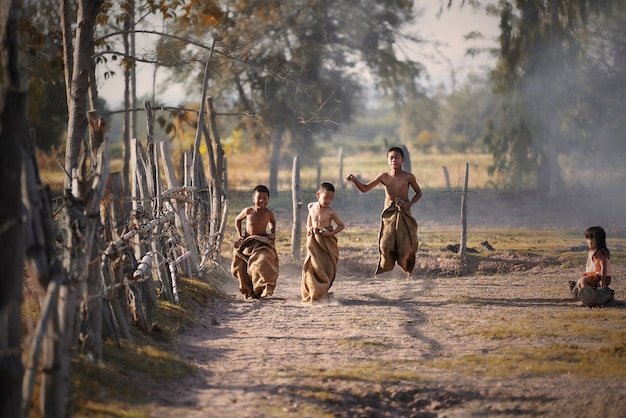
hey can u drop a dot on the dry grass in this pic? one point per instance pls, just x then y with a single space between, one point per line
523 361
248 170
131 371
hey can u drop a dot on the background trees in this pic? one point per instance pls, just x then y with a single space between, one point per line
297 72
544 56
298 75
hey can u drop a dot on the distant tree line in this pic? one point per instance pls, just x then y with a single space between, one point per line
288 73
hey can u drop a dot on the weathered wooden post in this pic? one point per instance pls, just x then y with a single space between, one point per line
407 159
296 200
216 168
118 225
188 180
134 191
181 219
225 176
340 180
152 161
447 176
464 213
318 179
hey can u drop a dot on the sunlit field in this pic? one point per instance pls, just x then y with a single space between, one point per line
246 171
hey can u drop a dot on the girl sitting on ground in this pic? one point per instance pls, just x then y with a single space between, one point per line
598 268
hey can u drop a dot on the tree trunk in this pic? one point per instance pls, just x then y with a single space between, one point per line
276 147
203 191
88 11
126 135
133 73
217 180
12 132
79 229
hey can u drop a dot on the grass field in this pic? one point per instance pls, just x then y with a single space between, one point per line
245 172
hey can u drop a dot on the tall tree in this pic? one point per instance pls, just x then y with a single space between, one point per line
596 123
78 73
539 56
298 68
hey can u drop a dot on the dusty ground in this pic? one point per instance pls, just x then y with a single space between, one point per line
372 350
386 346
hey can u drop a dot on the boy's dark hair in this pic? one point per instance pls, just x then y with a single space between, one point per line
328 187
396 149
261 189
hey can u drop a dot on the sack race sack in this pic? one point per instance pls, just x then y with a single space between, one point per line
595 296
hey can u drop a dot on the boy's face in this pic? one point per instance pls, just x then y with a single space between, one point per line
324 198
260 200
395 159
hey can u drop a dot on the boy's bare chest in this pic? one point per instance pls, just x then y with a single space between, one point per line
321 215
396 182
258 216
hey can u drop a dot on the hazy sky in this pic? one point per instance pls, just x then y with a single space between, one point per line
449 28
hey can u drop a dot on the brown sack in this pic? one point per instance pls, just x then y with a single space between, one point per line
255 264
397 240
319 268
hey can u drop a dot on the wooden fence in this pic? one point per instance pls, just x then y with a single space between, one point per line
161 239
134 249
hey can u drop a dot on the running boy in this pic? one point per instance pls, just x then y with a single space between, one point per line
255 261
397 240
320 265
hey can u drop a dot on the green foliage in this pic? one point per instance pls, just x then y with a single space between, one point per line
40 37
289 69
47 112
542 75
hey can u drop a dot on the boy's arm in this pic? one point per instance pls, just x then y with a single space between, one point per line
402 205
272 223
239 220
340 225
309 221
416 189
365 187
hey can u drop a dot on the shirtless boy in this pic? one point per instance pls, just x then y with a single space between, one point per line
320 266
321 215
397 240
255 261
257 217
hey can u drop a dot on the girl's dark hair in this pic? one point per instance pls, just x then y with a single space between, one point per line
262 189
598 237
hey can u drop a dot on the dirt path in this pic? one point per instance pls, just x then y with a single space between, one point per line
389 347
